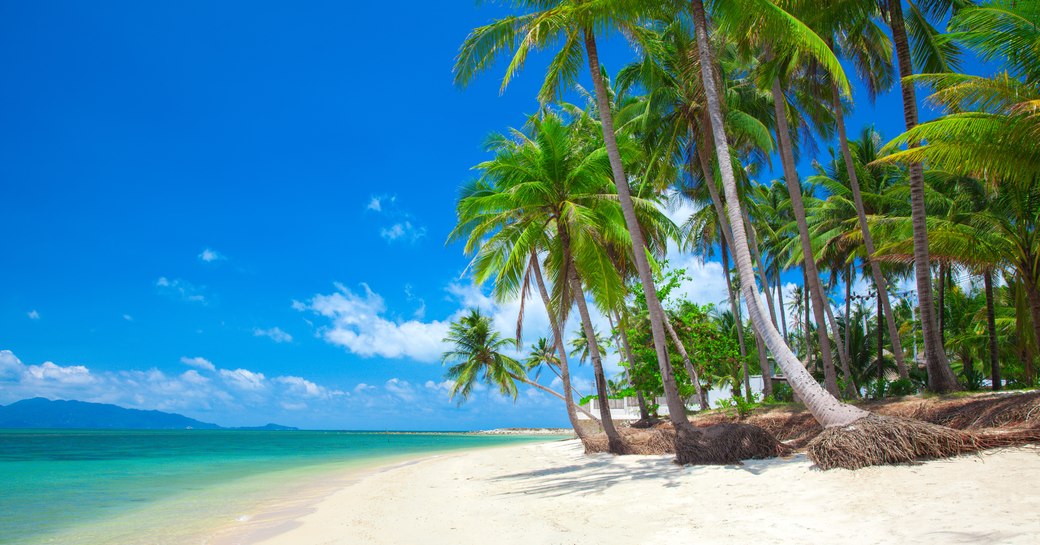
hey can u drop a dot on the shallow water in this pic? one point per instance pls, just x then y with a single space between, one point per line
103 487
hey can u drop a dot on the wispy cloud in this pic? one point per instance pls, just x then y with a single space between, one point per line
33 315
181 289
274 333
201 363
128 317
398 225
210 255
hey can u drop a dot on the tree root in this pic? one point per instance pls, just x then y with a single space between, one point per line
879 440
726 444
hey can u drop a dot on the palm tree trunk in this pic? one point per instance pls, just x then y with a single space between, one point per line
738 320
644 414
851 391
942 302
691 371
794 188
614 442
880 345
734 303
780 303
1033 294
940 375
868 239
757 256
848 308
529 382
565 374
827 410
810 360
991 326
685 432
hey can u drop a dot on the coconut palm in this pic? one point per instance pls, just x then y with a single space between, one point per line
477 355
572 24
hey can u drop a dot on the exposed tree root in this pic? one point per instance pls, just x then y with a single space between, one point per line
878 440
647 423
721 444
727 444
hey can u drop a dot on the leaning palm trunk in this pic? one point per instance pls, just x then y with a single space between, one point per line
685 432
780 303
794 188
940 376
873 439
734 302
577 429
565 375
868 239
825 408
691 371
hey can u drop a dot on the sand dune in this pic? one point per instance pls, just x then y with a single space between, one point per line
551 493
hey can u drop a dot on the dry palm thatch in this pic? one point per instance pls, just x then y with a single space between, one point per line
725 443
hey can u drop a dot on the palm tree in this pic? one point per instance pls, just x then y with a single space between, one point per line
572 24
824 407
477 355
862 41
940 376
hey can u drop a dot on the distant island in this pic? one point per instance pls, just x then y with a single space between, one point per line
40 412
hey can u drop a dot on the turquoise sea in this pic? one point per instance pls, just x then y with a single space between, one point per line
74 487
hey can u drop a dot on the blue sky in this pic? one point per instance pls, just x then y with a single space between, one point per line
237 210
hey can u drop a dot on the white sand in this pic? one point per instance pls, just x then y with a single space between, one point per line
550 493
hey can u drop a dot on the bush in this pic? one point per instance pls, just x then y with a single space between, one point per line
902 387
782 393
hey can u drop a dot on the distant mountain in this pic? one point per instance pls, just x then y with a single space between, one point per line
44 413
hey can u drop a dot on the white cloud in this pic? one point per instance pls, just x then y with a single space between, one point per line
359 323
274 333
210 255
189 391
199 362
243 379
128 317
403 230
49 371
400 388
375 204
180 289
33 315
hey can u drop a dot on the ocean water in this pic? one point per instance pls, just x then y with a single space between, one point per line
101 487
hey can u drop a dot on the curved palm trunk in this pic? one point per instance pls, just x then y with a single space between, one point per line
691 371
794 188
757 257
1033 295
940 375
868 239
565 375
780 303
943 268
807 331
991 327
848 309
685 432
734 303
827 410
644 414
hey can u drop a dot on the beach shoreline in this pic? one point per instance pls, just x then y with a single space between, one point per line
552 493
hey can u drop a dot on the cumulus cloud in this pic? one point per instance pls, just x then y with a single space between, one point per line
200 363
398 225
274 333
210 255
180 289
360 323
375 204
33 315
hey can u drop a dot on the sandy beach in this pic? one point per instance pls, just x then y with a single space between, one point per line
551 493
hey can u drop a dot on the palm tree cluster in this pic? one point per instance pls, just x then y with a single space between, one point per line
572 203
